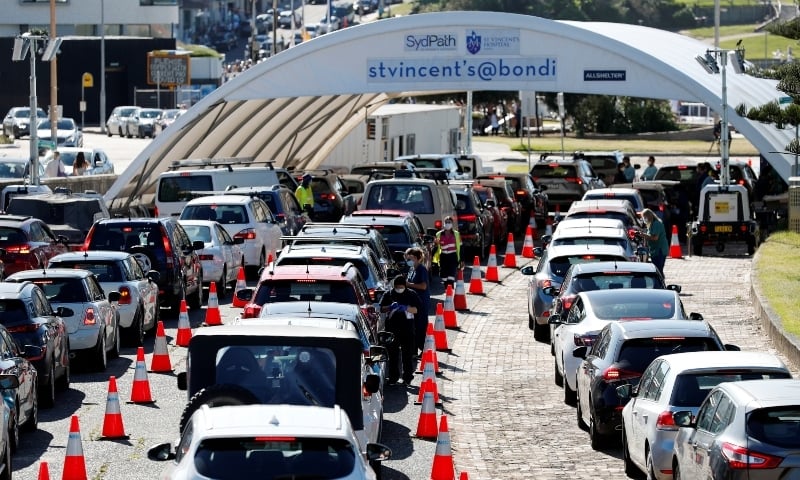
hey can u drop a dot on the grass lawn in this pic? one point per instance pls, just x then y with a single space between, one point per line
552 143
754 46
724 31
722 3
398 9
777 270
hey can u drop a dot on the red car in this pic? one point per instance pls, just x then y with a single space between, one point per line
490 203
27 243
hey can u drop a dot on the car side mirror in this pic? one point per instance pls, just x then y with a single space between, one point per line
579 352
673 287
392 272
378 353
695 316
182 381
114 297
490 204
8 381
624 392
238 240
64 312
555 320
153 275
372 384
527 270
546 239
32 351
385 338
683 418
377 452
732 348
62 239
161 452
549 291
198 245
245 294
538 252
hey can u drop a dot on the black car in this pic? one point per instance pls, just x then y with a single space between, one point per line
619 356
329 196
531 196
28 316
566 179
159 244
475 223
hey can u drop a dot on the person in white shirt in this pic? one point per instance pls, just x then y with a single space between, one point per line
55 168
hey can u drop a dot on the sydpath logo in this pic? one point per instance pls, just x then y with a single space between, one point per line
430 42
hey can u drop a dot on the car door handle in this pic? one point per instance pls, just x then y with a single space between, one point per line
644 417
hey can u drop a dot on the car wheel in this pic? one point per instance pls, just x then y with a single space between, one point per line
195 302
676 471
559 379
595 439
570 396
134 335
751 246
541 333
139 133
13 428
33 418
108 131
222 284
47 392
114 352
99 360
63 382
630 468
651 471
217 396
531 322
697 247
579 414
175 306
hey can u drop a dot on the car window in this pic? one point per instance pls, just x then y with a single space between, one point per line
705 416
106 270
691 389
12 311
10 344
37 233
647 379
94 288
274 291
779 426
63 290
657 384
200 233
600 348
553 170
41 306
577 313
637 353
396 234
185 442
12 236
411 197
723 415
223 235
132 269
179 189
559 265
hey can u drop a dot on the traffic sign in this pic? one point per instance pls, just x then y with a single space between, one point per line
88 80
47 144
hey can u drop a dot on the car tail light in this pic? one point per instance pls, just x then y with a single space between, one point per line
612 374
703 228
577 180
88 317
155 212
327 196
27 328
206 256
23 249
742 458
521 193
661 208
741 182
247 234
371 294
542 284
665 421
584 340
125 296
274 439
437 224
743 228
281 217
167 247
469 217
566 303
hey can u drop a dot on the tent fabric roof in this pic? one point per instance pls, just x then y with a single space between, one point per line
295 107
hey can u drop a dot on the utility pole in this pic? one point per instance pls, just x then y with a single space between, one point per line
53 80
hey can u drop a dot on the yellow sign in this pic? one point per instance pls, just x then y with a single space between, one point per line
88 80
721 208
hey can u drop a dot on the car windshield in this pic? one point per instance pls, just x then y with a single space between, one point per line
779 426
105 270
12 236
553 171
224 214
275 457
200 233
560 265
63 124
62 290
611 280
150 113
274 291
591 241
276 374
607 308
681 173
613 196
12 311
394 234
179 189
12 169
122 236
691 388
636 354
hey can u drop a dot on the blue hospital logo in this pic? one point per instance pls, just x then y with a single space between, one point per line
473 43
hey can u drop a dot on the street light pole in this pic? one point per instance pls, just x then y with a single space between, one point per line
34 136
53 80
102 66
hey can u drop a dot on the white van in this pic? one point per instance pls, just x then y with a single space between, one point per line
185 181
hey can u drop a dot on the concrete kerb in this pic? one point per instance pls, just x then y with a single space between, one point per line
785 342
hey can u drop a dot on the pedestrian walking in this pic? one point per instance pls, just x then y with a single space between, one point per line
649 172
80 165
400 304
417 280
448 251
656 236
56 167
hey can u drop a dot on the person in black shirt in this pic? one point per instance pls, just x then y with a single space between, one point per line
400 306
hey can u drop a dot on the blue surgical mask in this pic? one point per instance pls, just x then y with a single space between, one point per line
410 263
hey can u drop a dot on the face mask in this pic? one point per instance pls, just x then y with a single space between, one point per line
448 226
400 290
410 263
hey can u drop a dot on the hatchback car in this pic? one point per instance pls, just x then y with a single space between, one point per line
605 164
288 441
350 234
743 430
566 179
27 243
93 327
244 217
617 209
679 382
281 202
32 322
617 193
21 395
17 121
222 256
475 223
591 235
430 200
115 124
68 134
534 201
550 271
619 356
159 244
594 309
137 307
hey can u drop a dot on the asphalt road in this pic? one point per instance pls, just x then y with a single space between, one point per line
506 416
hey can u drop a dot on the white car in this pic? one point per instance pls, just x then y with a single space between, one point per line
116 121
97 159
281 441
592 311
329 24
119 271
94 326
222 256
67 133
242 217
679 382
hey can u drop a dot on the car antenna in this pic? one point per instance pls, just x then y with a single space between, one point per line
307 272
86 253
309 309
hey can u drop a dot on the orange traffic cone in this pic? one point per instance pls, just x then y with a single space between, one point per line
439 332
449 309
44 471
428 384
160 361
460 296
463 476
140 392
674 245
184 327
429 352
426 426
527 247
241 284
212 309
510 258
475 282
112 422
74 463
443 468
492 274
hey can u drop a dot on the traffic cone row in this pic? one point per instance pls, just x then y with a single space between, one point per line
160 362
429 352
449 309
439 329
140 392
428 384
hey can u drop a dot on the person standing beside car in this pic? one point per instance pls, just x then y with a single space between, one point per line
80 165
448 251
304 194
630 171
656 236
417 280
56 167
650 172
400 304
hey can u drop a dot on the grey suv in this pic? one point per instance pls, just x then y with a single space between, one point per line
566 179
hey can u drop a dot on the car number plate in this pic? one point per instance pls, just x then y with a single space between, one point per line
723 228
554 186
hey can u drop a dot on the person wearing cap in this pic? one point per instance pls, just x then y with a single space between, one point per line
448 251
304 194
400 304
656 236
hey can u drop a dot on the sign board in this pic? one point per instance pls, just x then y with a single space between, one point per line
88 80
168 69
47 144
83 106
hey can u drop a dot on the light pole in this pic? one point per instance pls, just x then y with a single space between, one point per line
102 66
53 80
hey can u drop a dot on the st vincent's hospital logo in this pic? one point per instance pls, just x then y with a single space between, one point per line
473 43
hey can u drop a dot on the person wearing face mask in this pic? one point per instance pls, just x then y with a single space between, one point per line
448 251
400 304
656 236
304 194
417 280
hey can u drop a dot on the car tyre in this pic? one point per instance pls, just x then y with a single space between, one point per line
195 301
133 336
222 284
651 471
595 439
676 470
579 414
63 382
6 475
47 392
13 429
219 395
175 305
99 360
541 333
697 247
114 352
33 419
531 322
570 396
631 470
559 379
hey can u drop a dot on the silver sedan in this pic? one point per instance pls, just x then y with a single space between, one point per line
222 256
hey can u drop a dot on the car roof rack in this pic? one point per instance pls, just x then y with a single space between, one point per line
227 162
